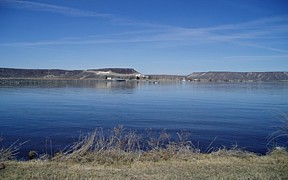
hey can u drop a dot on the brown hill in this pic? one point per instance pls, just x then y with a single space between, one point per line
238 76
66 74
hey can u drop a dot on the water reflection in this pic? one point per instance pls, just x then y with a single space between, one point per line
116 85
75 83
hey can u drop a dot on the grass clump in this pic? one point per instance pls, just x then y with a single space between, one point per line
120 146
11 152
281 132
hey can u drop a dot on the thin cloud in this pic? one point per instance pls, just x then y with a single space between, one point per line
35 6
247 34
279 57
283 57
267 22
169 34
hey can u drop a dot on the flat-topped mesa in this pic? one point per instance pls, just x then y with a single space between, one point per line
110 73
238 76
127 71
69 74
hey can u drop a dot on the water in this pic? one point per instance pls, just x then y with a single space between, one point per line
242 114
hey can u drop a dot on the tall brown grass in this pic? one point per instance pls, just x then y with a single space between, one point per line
10 152
281 132
120 145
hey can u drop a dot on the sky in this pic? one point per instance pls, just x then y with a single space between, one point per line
151 36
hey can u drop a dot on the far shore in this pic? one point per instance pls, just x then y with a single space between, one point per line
129 74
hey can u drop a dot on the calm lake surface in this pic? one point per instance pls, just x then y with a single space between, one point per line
242 114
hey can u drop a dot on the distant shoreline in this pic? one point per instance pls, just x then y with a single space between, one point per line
128 74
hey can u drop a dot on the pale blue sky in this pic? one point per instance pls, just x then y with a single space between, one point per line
152 36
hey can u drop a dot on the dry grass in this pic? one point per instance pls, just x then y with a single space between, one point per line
220 165
124 146
122 154
11 152
281 132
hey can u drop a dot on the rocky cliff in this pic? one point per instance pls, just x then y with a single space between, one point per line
116 70
238 76
67 74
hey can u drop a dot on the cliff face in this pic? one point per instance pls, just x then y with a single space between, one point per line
36 73
238 76
66 74
116 70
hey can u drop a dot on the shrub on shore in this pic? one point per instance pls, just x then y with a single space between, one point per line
125 146
10 152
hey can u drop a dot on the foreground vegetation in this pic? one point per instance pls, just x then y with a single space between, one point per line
219 165
122 154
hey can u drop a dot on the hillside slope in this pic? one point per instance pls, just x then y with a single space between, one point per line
67 74
238 76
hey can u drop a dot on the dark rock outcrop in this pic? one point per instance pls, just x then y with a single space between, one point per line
2 166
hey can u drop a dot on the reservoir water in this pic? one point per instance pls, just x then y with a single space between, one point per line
227 114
